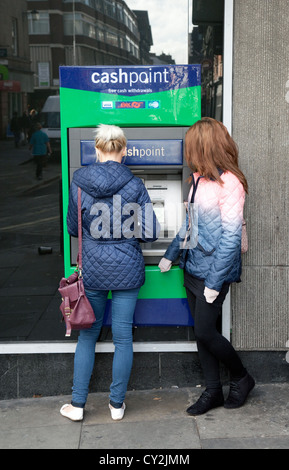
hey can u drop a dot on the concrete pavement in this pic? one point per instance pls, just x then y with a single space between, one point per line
154 420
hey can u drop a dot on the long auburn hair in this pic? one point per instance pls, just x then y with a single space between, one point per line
210 148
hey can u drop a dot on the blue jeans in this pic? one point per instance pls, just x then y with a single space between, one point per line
123 307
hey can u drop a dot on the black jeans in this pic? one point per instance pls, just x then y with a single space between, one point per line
213 347
39 160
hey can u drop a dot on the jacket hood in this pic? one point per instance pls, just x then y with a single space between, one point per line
102 179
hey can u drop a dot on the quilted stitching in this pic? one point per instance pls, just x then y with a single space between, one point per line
110 263
217 257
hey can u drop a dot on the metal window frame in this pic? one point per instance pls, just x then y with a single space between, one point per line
227 120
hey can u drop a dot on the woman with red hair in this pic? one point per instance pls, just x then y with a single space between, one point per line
213 261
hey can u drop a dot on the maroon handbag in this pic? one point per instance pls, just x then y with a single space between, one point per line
75 307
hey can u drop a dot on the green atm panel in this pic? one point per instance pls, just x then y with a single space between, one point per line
154 105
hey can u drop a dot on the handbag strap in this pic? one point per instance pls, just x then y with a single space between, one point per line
191 200
194 187
193 190
79 231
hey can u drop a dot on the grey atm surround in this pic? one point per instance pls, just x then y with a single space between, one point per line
152 252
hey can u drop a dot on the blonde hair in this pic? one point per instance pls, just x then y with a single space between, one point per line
209 148
109 139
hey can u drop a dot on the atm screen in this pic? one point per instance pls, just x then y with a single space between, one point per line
157 193
166 197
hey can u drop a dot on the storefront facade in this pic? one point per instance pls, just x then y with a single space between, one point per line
255 109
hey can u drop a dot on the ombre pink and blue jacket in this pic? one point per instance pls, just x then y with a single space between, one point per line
217 256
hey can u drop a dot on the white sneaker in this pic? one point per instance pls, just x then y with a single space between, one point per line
117 413
72 412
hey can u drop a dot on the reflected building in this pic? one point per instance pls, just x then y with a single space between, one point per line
206 48
146 39
84 32
16 76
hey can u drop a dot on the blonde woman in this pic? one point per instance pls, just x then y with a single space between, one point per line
116 214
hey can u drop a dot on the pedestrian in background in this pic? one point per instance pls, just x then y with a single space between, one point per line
15 127
25 125
33 118
40 146
215 261
112 261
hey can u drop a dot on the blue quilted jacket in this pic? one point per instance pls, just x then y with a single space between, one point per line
116 215
216 258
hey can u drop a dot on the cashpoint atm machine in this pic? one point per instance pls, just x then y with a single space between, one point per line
154 105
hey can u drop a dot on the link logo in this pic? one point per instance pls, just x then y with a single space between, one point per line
154 104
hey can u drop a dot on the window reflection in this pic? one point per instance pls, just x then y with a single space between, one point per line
40 25
206 48
112 32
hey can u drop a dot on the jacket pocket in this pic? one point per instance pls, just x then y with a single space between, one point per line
206 252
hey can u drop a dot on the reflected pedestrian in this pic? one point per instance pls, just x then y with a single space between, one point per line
33 121
40 145
15 126
25 125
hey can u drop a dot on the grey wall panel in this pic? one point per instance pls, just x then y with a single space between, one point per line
260 317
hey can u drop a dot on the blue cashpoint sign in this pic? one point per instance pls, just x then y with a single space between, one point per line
141 152
130 81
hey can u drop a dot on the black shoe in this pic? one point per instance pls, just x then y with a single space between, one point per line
239 390
206 402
